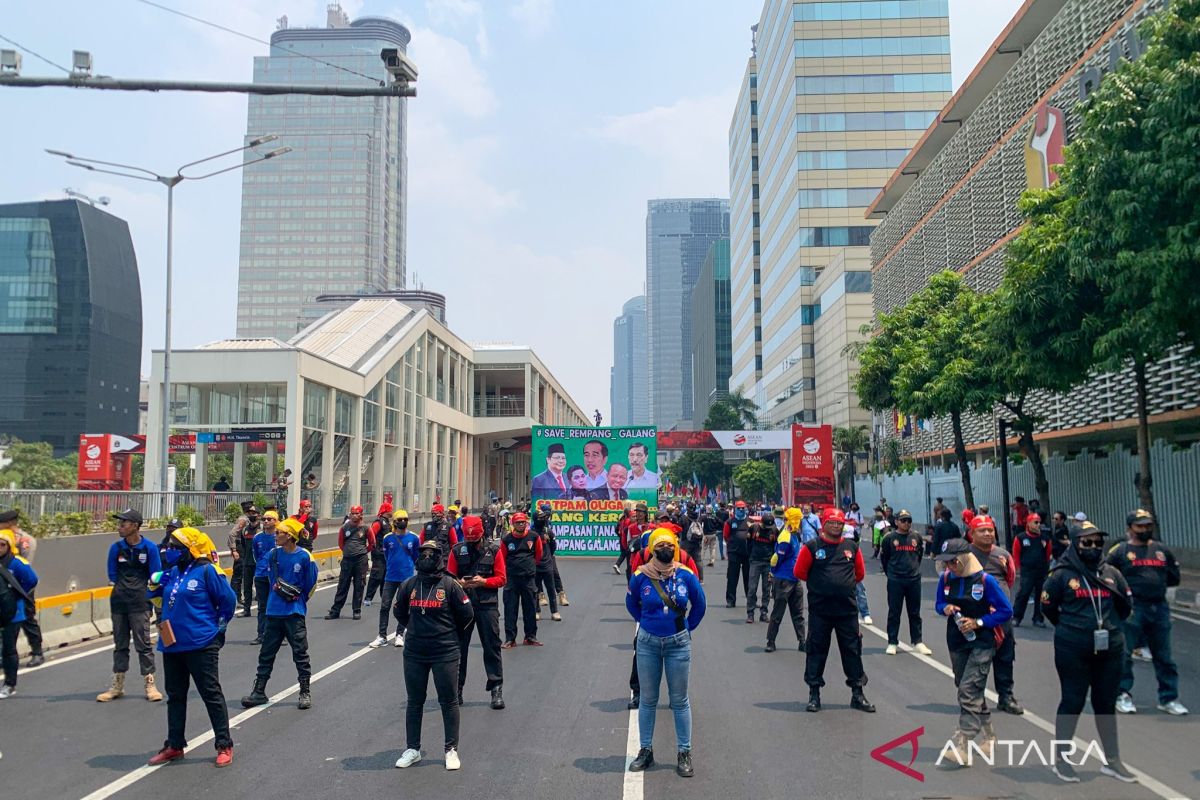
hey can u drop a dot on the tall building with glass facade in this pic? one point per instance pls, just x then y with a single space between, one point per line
629 396
330 215
679 233
834 96
70 323
711 348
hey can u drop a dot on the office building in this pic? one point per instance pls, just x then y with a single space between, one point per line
328 217
833 97
711 347
70 323
953 204
679 233
629 393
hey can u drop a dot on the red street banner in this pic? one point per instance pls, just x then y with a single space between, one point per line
686 440
812 465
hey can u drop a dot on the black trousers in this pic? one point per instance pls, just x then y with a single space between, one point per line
487 621
558 584
445 682
544 581
789 596
520 590
375 580
31 626
1003 663
8 649
1079 671
693 550
1031 586
245 592
904 593
292 630
387 596
354 569
262 590
821 628
235 582
739 564
199 667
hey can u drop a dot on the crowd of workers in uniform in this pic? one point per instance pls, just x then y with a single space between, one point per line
441 584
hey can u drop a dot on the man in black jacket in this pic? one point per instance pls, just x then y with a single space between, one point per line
522 551
478 563
762 546
737 542
900 556
944 530
356 541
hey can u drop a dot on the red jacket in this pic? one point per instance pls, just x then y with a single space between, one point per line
370 538
623 525
804 563
499 572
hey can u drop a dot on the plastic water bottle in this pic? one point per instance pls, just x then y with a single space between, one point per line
958 618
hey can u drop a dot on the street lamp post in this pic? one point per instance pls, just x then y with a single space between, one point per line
170 181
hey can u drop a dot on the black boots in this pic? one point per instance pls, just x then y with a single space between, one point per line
683 768
305 701
814 701
257 696
644 760
770 648
635 701
497 698
859 700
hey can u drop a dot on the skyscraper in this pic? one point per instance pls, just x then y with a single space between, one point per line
678 236
629 392
330 215
711 346
834 96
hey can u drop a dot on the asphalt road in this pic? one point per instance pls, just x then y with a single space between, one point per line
566 731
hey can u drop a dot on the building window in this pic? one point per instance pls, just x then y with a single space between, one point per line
28 277
865 121
850 159
837 198
836 236
873 84
870 9
873 46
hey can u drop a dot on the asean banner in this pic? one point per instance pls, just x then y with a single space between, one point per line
587 474
812 465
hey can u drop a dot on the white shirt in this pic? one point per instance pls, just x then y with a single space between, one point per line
599 481
648 480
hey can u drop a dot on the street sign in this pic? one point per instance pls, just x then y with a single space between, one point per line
240 435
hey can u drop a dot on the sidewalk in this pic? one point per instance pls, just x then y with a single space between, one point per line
1186 596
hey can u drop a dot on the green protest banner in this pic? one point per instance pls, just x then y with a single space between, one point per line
587 474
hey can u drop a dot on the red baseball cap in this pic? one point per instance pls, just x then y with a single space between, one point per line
982 521
472 527
519 517
438 508
833 515
356 509
1033 518
740 504
306 503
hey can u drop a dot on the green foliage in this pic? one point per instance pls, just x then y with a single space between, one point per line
757 479
74 523
708 465
35 467
745 409
722 417
908 466
232 512
261 501
892 456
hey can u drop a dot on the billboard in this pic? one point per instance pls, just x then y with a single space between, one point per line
725 440
587 474
813 465
102 465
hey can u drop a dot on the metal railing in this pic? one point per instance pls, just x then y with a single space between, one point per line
40 503
499 407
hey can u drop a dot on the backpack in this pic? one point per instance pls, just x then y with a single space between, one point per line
11 593
695 531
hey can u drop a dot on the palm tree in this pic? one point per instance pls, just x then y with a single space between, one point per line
850 442
745 408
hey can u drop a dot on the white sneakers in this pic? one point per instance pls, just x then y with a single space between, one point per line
891 650
452 760
1141 654
557 617
408 758
1125 704
399 640
367 603
1174 707
7 691
923 649
378 641
867 620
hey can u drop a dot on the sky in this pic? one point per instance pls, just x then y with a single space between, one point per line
540 130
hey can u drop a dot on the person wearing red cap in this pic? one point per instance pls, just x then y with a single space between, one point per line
380 528
306 517
521 554
356 541
479 566
1032 552
439 530
998 563
831 568
736 535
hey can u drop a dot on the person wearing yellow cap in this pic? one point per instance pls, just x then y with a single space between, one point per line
197 604
261 546
399 550
19 579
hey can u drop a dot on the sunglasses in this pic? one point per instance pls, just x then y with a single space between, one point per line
1090 544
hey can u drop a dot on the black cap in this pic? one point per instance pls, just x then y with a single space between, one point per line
248 506
952 549
175 524
1085 529
9 516
1139 517
131 515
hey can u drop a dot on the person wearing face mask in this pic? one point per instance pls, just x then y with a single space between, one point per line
132 559
435 611
544 574
666 600
1150 568
399 549
293 576
356 541
380 527
1032 550
197 604
789 594
998 563
762 548
262 545
522 552
976 609
737 546
900 556
1086 600
1060 536
20 580
479 566
440 531
831 568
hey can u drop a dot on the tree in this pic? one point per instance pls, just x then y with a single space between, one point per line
707 465
35 467
745 408
722 417
757 479
850 441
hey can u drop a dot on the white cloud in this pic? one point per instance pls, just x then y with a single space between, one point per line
449 81
460 14
534 16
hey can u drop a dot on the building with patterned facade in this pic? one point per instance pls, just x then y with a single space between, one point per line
629 393
833 97
711 342
953 204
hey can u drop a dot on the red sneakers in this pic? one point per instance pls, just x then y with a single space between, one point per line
224 756
166 755
529 640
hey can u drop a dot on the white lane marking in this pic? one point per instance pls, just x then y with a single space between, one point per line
53 662
136 775
1185 618
634 784
1160 789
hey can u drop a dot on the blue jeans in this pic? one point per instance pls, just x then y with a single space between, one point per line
674 654
1151 623
860 593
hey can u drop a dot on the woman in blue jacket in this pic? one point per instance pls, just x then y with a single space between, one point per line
197 604
20 571
666 600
